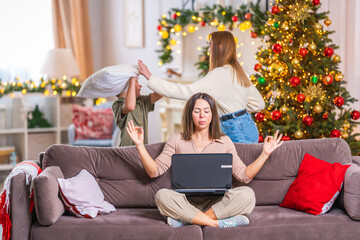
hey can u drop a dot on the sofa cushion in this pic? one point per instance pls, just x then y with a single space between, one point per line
125 223
316 187
82 196
351 197
92 123
274 222
48 205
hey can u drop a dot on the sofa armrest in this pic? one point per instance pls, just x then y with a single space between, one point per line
20 216
352 191
356 160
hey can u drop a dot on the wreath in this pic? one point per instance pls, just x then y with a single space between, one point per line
186 21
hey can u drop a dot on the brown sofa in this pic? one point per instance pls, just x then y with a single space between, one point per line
126 185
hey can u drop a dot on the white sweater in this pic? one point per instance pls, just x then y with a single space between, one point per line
219 83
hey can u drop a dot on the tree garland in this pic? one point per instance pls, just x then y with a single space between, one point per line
217 16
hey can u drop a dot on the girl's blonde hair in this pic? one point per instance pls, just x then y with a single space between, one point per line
223 51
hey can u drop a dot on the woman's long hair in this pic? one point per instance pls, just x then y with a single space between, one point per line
223 51
187 123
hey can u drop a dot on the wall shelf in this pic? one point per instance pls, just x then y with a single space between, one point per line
29 142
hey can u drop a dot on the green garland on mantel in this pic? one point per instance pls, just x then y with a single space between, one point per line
53 86
223 18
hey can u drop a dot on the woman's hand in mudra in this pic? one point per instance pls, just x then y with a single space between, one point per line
271 143
136 133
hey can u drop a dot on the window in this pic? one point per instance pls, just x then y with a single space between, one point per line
26 36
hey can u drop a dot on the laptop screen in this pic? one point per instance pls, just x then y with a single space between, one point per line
201 172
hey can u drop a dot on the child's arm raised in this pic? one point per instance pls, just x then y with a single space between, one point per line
130 99
155 97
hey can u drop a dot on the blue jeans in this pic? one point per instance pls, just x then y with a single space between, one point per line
241 129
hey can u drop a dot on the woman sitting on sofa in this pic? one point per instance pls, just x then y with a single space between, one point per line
202 134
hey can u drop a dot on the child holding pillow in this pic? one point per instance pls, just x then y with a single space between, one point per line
131 105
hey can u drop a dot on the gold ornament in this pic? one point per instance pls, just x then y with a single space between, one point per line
270 22
295 62
221 27
278 69
285 26
327 22
339 77
312 47
318 108
299 134
300 11
313 91
191 29
177 28
318 26
336 58
344 135
164 34
172 42
346 125
283 109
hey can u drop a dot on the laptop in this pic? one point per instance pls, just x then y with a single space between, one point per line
201 174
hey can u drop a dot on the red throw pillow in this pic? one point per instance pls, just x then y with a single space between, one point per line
316 187
92 123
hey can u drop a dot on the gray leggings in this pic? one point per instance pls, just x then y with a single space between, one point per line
240 200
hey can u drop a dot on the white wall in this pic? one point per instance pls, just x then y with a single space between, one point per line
109 48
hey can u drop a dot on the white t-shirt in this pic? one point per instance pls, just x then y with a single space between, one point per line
221 84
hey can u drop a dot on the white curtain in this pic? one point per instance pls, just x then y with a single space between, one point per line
346 24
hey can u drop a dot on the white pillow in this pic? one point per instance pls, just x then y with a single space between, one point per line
108 82
82 196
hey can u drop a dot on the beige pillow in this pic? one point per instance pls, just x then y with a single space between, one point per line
48 205
108 82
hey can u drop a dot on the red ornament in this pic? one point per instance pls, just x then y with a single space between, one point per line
328 52
300 98
234 18
276 115
275 10
254 35
303 52
159 28
327 79
339 101
174 16
355 115
295 81
277 48
261 138
247 16
315 2
335 133
325 116
307 120
257 67
285 138
260 117
202 23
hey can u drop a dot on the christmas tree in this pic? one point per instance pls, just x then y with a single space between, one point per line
36 119
299 77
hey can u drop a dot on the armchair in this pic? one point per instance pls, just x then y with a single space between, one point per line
111 142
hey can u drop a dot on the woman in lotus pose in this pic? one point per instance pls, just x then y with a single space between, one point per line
202 134
226 82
